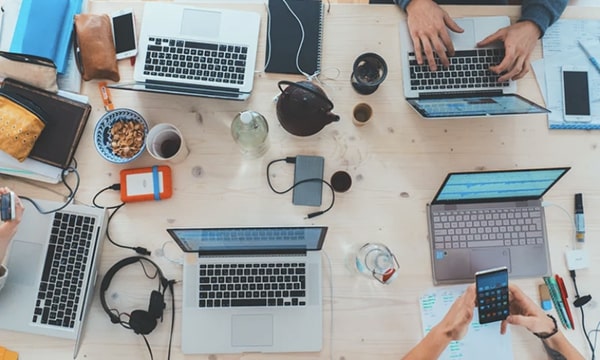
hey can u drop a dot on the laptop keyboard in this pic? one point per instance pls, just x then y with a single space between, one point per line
180 59
487 228
468 69
64 270
257 284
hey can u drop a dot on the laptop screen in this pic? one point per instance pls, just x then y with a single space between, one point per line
495 185
249 240
493 105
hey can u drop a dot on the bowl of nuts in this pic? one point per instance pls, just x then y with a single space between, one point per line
120 135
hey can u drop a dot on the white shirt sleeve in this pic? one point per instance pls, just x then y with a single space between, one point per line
3 275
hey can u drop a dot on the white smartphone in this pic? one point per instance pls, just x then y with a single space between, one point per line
576 93
124 35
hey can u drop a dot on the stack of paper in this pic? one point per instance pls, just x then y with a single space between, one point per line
560 47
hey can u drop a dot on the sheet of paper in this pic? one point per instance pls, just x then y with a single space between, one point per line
480 339
560 47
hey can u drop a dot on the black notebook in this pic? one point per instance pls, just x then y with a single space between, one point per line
65 121
285 36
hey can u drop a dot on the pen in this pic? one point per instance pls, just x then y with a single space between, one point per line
590 56
579 220
564 296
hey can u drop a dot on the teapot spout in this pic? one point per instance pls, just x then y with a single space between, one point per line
331 117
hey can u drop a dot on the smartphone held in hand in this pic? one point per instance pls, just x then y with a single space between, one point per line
492 294
8 206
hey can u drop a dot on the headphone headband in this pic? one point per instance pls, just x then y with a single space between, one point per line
164 282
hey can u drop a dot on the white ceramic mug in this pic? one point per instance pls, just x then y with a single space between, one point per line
165 142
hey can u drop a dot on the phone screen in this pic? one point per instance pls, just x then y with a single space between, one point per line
124 33
492 294
576 93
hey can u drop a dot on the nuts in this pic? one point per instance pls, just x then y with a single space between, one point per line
127 138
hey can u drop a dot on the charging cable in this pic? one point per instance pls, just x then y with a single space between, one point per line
292 160
72 190
116 187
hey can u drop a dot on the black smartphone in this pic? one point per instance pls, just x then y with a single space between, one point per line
492 294
576 94
123 23
308 193
7 208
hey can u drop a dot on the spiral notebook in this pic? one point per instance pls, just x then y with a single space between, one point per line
285 36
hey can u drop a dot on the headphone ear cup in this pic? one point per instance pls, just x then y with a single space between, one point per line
141 322
157 304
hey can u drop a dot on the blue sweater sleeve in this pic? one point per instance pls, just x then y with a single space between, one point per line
543 13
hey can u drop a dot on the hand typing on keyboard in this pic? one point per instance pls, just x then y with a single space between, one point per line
428 25
519 41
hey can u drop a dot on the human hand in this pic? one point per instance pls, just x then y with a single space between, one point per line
9 228
519 41
428 24
524 312
456 322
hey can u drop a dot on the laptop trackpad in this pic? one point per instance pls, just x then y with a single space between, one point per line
201 23
466 39
252 330
22 262
483 259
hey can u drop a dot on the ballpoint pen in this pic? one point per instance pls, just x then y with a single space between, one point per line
589 55
564 296
579 219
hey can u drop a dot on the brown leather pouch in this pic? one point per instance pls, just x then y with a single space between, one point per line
21 123
94 47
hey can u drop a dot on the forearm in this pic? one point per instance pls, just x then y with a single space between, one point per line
3 250
558 343
543 13
432 345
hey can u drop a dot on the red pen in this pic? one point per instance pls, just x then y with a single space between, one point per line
564 296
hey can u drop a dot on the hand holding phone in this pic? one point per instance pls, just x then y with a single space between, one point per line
7 207
124 35
492 294
576 94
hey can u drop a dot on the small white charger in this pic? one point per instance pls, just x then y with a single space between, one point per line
577 259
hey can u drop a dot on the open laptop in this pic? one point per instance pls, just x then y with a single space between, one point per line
254 289
52 267
466 88
487 219
195 51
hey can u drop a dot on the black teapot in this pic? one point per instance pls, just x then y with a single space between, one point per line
303 109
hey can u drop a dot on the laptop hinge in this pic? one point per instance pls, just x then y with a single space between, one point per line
460 94
195 89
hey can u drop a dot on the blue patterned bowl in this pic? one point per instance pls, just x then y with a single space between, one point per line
103 136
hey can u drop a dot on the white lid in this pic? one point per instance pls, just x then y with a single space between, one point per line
246 117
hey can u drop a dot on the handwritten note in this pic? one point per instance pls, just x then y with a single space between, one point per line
480 339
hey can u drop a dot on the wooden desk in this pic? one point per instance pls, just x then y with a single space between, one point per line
397 163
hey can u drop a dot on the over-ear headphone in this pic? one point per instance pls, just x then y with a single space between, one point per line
140 321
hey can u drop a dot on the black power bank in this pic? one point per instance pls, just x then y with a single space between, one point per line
308 193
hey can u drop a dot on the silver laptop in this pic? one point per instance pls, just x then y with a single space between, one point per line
52 267
466 88
254 289
487 219
195 51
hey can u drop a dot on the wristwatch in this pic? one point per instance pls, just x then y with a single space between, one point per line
545 335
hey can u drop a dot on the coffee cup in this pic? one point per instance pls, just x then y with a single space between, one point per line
361 114
165 142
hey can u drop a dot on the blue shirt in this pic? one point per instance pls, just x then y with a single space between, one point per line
543 13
